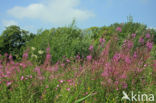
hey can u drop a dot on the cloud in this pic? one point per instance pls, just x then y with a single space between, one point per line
53 11
9 22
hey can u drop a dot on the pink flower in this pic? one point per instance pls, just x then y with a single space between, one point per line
91 47
149 45
118 29
67 60
48 56
9 83
135 55
130 44
89 57
48 49
25 55
101 40
133 35
22 77
68 89
141 40
116 57
124 85
148 35
127 60
61 81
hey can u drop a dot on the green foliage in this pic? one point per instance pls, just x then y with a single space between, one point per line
65 41
13 39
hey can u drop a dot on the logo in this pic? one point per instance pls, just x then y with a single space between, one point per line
137 97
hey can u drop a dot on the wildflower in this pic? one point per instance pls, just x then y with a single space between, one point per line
40 52
67 60
130 44
33 48
124 85
47 86
118 29
58 86
25 55
127 60
101 40
22 77
89 57
141 40
135 55
48 49
148 35
30 76
68 89
9 83
48 56
61 81
149 45
105 74
91 47
133 35
116 57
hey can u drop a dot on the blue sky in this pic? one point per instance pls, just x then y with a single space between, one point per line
35 14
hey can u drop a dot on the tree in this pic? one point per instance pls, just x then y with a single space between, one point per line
12 39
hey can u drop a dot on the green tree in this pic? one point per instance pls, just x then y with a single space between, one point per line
12 39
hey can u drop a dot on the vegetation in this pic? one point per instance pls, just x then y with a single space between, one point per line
71 65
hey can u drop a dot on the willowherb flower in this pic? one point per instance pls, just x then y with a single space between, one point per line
68 89
124 85
6 54
127 60
101 40
149 45
22 77
116 57
141 40
61 81
148 35
48 56
89 57
118 29
25 55
130 44
67 60
91 47
133 35
135 55
8 83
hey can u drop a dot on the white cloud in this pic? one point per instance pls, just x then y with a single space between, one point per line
53 11
9 22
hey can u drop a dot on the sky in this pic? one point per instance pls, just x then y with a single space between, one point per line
33 15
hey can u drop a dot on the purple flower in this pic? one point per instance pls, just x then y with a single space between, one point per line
91 47
149 45
9 83
133 35
89 57
101 40
141 40
127 60
116 57
135 55
118 29
130 44
22 77
148 35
